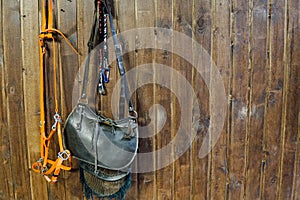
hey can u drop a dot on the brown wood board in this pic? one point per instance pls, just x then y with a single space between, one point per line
274 99
239 98
221 58
164 177
18 172
202 29
255 46
258 75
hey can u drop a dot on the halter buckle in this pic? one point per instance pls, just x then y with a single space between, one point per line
64 155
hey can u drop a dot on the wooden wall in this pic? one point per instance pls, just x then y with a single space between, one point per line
255 45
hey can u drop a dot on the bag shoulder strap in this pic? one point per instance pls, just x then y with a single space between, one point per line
118 50
91 44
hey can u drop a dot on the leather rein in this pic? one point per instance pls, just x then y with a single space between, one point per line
49 168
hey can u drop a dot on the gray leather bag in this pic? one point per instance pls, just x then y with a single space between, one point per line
97 140
101 141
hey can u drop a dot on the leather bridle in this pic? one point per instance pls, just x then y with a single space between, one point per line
49 168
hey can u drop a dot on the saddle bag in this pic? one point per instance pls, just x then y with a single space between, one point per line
105 147
99 140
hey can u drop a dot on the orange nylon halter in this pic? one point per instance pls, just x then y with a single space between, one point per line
41 166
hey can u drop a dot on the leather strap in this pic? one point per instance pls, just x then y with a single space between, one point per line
124 83
41 166
91 44
124 93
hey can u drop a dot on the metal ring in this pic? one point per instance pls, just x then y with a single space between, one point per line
56 117
135 116
63 155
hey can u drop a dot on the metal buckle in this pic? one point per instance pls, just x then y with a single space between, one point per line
44 170
56 120
64 155
40 160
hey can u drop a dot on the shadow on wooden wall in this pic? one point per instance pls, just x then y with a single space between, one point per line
255 45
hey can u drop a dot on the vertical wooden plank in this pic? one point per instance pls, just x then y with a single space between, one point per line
259 74
202 28
293 61
274 97
67 23
15 100
30 31
292 90
85 11
239 94
84 20
68 62
221 57
145 96
183 24
126 21
164 177
6 187
296 183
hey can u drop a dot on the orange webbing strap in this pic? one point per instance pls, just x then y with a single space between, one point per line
44 162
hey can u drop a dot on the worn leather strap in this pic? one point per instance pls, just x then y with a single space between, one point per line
91 45
125 92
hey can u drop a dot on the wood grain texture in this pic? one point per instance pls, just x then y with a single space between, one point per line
84 18
239 94
165 176
19 182
221 57
254 44
68 60
182 116
6 190
202 29
145 98
292 92
274 98
258 84
30 31
296 183
294 62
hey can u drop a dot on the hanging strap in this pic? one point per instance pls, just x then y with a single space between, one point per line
118 52
41 166
125 93
91 45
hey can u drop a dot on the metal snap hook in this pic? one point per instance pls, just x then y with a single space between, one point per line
56 120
